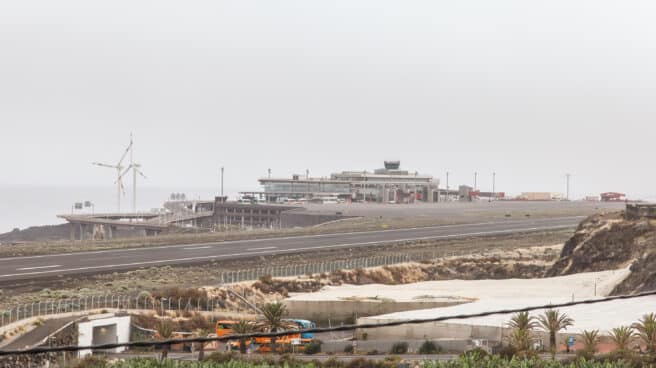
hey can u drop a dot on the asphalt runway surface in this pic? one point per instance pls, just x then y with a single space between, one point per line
45 266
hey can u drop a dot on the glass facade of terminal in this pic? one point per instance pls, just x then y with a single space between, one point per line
295 186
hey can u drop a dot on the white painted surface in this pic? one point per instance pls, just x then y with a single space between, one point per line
490 295
113 329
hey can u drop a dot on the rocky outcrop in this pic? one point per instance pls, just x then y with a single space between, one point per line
606 242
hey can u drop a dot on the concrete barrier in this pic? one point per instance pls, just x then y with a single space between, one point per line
344 310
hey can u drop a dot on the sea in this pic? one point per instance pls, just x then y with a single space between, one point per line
22 206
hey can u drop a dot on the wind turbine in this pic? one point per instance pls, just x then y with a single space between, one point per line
119 169
135 167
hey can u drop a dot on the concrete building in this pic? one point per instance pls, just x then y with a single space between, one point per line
248 215
103 329
388 184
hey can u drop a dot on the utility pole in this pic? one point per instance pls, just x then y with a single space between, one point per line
494 183
567 175
269 173
134 177
221 181
475 177
446 194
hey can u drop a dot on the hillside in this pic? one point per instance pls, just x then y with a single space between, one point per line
36 234
606 242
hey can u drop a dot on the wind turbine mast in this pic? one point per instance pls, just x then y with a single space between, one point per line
119 176
134 167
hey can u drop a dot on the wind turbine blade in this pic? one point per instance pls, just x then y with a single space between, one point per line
140 173
122 187
125 153
124 172
103 165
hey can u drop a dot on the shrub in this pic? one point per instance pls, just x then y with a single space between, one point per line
476 353
91 362
332 363
312 348
399 348
220 357
348 349
428 347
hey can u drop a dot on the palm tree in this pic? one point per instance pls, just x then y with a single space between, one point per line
165 331
646 328
590 342
522 321
552 322
622 337
201 332
522 325
240 328
273 314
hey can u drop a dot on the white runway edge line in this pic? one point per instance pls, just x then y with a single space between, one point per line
192 248
37 268
180 260
263 248
229 242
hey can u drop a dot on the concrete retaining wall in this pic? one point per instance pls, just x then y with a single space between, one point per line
323 310
431 330
448 345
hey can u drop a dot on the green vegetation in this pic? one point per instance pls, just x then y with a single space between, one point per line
552 321
312 348
274 314
522 325
242 327
466 361
399 348
646 328
590 342
165 332
428 347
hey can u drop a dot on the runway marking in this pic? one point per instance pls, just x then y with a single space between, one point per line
229 242
36 268
180 260
207 247
263 248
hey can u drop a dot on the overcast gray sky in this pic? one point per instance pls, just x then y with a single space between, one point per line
531 89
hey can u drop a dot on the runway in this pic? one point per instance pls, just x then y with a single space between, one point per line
29 267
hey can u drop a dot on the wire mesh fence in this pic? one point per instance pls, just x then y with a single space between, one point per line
89 303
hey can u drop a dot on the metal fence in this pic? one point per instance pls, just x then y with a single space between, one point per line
230 277
42 308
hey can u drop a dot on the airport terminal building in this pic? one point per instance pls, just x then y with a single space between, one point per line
388 184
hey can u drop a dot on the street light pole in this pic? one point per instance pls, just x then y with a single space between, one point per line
446 194
221 181
494 183
567 175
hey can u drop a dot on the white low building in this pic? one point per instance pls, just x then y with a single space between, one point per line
103 329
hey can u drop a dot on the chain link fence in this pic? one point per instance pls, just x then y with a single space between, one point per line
43 308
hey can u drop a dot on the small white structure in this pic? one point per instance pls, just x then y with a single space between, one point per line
103 329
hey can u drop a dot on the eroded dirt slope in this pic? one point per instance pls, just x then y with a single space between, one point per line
605 242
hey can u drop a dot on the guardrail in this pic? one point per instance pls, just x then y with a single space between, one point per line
53 307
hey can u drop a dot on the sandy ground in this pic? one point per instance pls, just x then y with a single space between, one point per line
502 294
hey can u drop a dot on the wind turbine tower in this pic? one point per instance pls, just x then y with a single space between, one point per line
119 170
135 167
122 171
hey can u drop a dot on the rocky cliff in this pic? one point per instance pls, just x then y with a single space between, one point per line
609 241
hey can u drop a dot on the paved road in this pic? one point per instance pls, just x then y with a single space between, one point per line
21 268
39 334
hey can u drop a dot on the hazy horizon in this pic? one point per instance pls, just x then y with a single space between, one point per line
529 89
